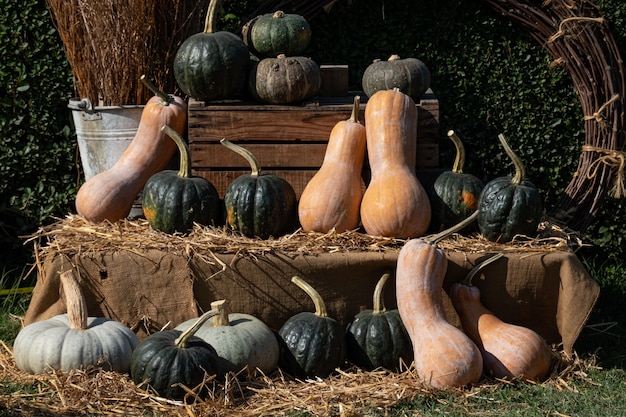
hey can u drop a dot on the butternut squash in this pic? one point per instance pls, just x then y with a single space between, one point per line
109 195
332 198
395 203
509 351
444 356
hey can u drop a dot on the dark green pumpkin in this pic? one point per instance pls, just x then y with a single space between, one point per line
277 33
172 201
456 193
509 206
257 204
312 344
212 65
377 338
409 75
284 79
170 359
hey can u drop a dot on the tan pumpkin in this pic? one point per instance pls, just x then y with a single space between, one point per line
509 351
332 198
444 356
395 203
109 195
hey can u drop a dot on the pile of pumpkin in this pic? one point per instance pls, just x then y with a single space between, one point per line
394 204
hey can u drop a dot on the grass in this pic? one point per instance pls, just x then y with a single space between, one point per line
597 388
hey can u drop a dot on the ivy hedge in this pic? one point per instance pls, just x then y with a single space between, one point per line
490 77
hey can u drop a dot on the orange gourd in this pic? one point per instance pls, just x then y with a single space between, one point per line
508 350
444 356
109 195
332 198
395 203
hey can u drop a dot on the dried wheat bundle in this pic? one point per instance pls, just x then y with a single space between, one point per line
110 44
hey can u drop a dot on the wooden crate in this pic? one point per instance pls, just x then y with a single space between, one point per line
287 140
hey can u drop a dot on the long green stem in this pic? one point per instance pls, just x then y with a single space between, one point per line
379 302
520 173
184 170
471 274
254 164
210 23
182 340
320 307
434 239
166 99
459 160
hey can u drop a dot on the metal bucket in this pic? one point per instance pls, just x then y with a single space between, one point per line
103 134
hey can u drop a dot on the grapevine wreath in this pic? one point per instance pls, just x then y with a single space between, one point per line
578 38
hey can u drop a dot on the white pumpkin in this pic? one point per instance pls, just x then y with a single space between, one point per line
74 340
240 340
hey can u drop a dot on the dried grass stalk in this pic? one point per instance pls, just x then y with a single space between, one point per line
110 44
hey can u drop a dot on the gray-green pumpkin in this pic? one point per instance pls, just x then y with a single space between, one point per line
409 75
277 33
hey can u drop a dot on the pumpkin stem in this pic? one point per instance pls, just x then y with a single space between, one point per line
221 319
185 170
182 340
278 14
394 57
379 303
459 160
166 99
320 307
210 23
434 239
356 109
520 173
74 301
254 164
471 274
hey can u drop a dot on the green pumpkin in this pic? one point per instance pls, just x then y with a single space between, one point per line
509 206
284 79
240 340
455 193
212 65
277 33
257 204
170 359
172 201
377 338
409 75
313 344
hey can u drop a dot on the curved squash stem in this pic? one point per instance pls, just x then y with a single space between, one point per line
74 301
434 239
459 160
182 340
166 99
210 23
356 109
471 274
221 319
185 170
320 307
520 173
254 164
379 303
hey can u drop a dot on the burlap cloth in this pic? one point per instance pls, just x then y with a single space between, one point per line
549 292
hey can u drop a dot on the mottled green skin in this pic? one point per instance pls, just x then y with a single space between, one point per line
212 66
312 345
378 340
506 209
260 205
166 366
172 203
410 75
455 198
268 36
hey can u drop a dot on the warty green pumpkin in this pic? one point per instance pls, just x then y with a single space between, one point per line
509 206
175 362
313 344
377 337
409 75
242 341
277 33
74 340
172 201
258 204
